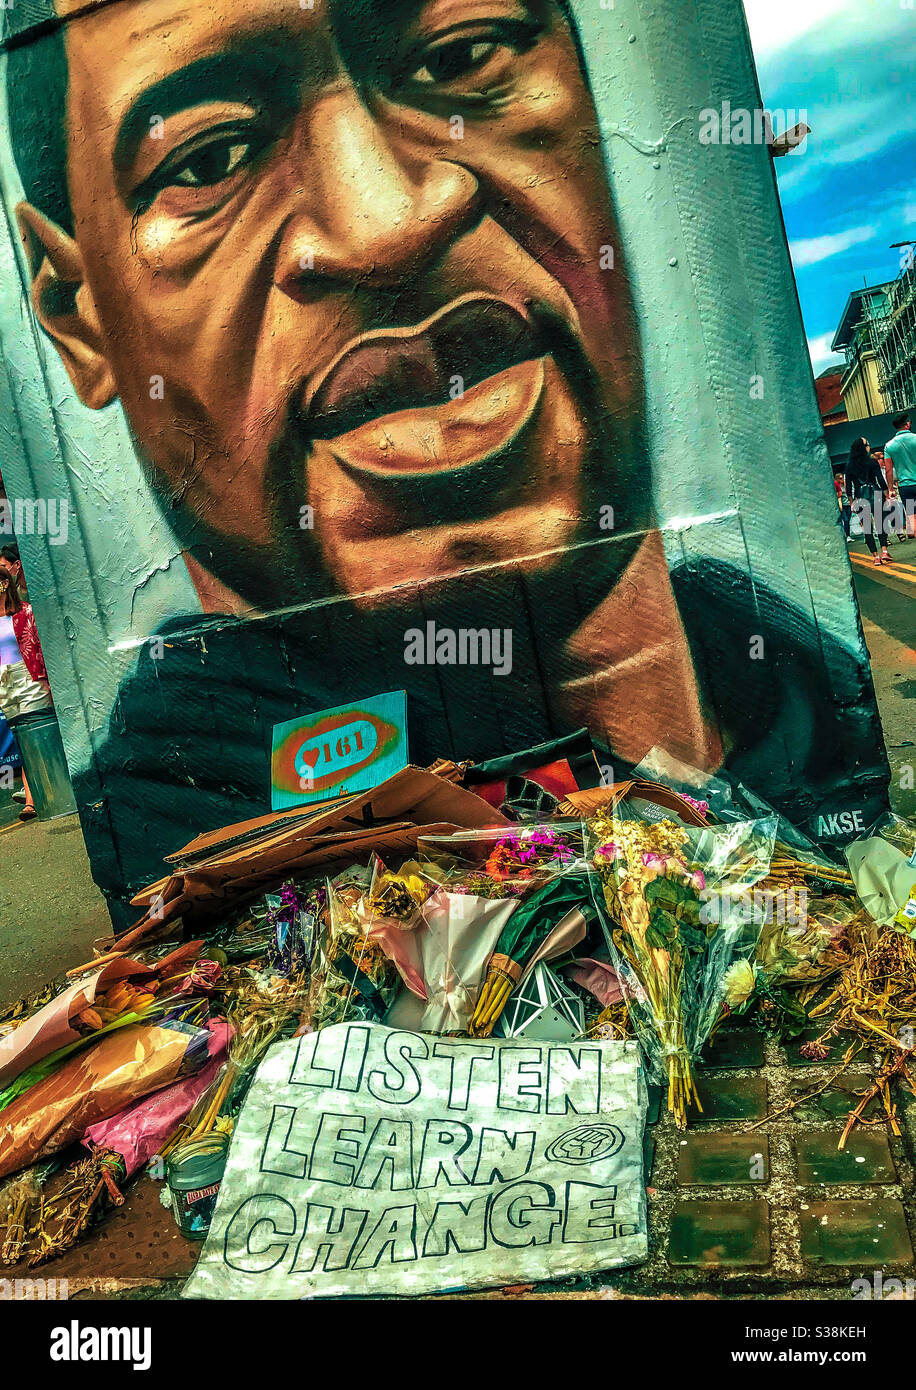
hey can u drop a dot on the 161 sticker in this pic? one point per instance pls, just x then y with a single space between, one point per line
353 747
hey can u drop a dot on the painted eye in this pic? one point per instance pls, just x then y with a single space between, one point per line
452 61
211 164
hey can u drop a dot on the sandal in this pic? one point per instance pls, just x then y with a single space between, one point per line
27 813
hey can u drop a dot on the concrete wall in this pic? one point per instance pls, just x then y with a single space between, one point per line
332 321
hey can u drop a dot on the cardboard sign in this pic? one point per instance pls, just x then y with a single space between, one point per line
349 748
368 1160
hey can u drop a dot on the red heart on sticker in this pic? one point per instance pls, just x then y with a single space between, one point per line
310 758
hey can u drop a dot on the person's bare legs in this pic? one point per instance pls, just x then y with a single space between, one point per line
28 810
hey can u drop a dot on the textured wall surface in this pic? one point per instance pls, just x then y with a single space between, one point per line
333 322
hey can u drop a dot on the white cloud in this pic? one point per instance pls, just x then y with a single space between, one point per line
848 64
820 354
777 24
810 250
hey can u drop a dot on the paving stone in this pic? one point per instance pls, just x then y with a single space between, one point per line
836 1047
709 1159
734 1047
725 1098
836 1102
866 1157
858 1233
714 1234
138 1241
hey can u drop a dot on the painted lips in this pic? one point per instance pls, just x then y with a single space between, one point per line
450 391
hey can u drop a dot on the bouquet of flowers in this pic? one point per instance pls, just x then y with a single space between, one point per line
500 863
95 1083
293 916
451 947
352 976
541 869
675 897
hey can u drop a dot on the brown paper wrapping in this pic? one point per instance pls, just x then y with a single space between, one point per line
51 1028
95 1084
506 966
228 866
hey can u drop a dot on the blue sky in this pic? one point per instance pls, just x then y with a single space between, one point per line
851 64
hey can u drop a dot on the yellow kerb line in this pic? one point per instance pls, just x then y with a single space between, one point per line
869 565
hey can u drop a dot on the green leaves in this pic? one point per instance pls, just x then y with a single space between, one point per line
674 917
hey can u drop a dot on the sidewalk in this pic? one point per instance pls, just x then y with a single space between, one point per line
887 600
50 910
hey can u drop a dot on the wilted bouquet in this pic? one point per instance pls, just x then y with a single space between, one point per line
677 923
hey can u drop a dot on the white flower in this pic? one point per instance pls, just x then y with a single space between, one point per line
738 983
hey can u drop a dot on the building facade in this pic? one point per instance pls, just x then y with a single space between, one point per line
895 337
877 335
857 338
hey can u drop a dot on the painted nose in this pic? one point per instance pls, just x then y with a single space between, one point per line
371 208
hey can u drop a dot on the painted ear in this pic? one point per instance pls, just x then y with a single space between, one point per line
64 305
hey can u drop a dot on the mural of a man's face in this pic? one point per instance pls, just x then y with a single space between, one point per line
355 257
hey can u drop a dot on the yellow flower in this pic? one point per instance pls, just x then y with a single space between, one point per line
739 983
416 887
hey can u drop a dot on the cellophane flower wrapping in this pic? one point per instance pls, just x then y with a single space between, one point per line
673 903
519 864
138 1132
293 915
352 977
506 862
95 1084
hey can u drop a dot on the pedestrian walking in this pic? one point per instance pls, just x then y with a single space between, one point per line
867 486
901 451
10 757
24 685
842 501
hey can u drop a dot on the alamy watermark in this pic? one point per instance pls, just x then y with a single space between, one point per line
888 517
463 646
758 906
879 1288
35 516
79 1343
728 125
34 1290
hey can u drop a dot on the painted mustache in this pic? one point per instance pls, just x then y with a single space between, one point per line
391 370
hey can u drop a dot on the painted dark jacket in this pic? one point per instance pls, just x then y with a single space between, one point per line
188 746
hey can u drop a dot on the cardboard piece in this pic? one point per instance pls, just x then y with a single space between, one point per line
224 866
586 803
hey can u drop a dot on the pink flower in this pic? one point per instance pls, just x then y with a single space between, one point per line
654 861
